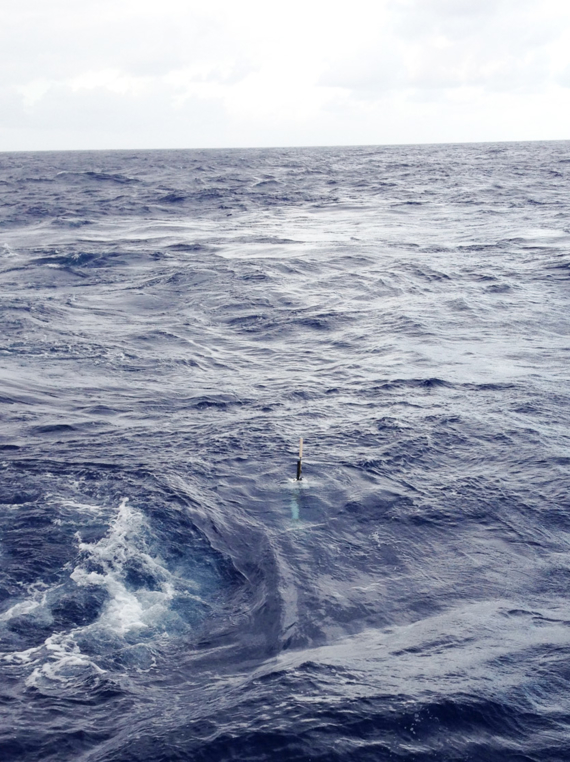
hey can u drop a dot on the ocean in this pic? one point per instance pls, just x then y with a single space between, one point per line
172 322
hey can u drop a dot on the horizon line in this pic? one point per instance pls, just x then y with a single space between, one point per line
289 147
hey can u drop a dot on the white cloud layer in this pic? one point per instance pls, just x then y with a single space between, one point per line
189 73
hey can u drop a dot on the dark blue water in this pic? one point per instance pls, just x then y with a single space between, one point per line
171 324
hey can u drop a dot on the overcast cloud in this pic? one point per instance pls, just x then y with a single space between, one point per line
167 73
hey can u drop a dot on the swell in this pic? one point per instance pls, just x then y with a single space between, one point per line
172 323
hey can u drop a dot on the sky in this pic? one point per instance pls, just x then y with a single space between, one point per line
103 74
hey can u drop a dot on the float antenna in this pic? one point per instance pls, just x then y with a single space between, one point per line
300 461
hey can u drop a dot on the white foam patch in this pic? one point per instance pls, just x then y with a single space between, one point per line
58 659
129 618
20 609
20 657
126 610
8 251
90 508
304 483
65 660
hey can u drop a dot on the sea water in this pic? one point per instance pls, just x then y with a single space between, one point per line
171 323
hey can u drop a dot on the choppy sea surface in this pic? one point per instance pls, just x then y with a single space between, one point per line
171 323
